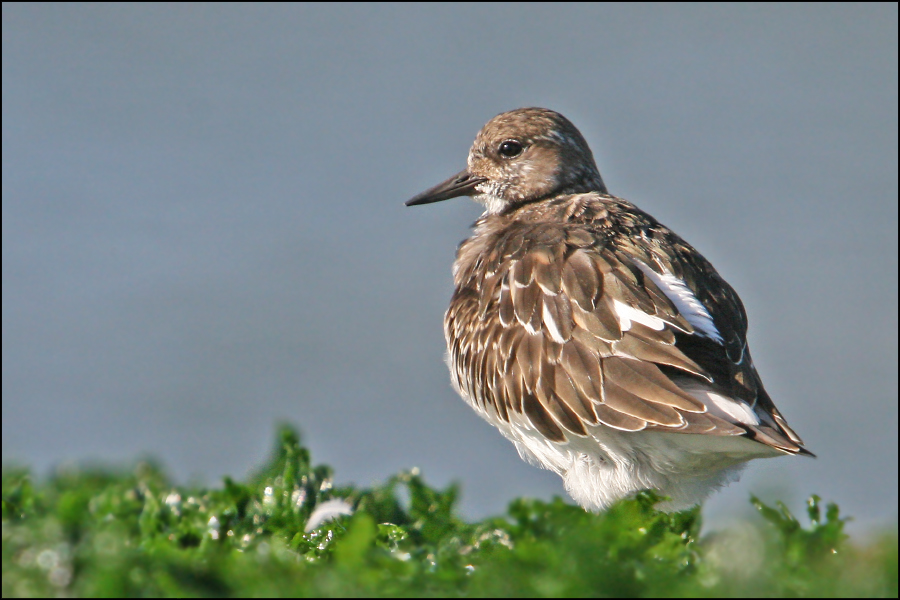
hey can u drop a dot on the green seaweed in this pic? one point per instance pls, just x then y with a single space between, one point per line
131 532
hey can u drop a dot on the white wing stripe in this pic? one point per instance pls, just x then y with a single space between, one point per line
735 411
627 314
684 300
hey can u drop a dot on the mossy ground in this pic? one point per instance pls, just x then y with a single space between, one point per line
102 533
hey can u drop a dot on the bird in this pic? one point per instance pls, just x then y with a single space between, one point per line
598 341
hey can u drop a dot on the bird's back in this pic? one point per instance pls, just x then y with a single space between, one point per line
580 316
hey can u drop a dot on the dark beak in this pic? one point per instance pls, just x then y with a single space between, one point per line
461 184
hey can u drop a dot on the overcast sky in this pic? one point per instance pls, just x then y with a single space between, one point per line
204 231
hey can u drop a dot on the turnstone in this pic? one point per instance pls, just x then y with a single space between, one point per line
605 347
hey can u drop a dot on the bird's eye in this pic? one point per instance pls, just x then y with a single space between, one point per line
510 149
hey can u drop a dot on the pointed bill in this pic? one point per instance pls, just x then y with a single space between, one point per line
461 184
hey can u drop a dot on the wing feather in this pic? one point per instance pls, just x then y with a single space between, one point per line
533 330
541 419
623 400
646 381
619 420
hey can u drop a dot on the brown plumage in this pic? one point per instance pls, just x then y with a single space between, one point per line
581 327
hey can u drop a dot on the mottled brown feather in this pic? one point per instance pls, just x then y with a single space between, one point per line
646 381
583 368
562 413
665 336
539 417
535 292
660 354
557 316
546 272
506 311
591 342
487 294
608 327
623 400
619 420
528 356
524 299
580 281
567 392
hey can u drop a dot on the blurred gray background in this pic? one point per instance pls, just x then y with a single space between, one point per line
204 230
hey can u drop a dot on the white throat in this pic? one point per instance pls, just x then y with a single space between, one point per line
493 204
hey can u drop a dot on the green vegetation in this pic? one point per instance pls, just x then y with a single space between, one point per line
98 533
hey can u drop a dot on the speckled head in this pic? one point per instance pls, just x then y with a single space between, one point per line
521 156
